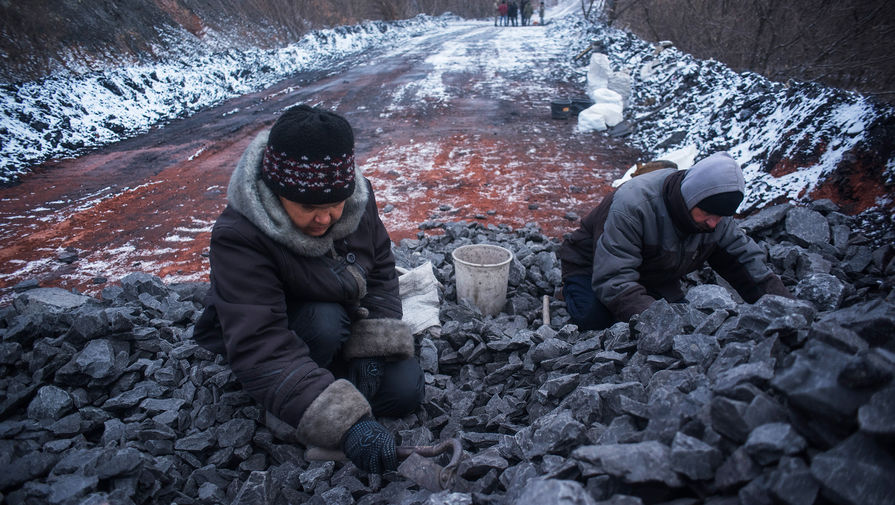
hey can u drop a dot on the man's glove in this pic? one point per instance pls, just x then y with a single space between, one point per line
366 375
370 446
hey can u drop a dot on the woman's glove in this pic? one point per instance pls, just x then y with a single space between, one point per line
366 375
370 446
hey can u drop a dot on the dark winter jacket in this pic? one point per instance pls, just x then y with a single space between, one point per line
526 10
641 240
261 265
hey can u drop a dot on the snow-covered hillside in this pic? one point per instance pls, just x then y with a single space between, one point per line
69 114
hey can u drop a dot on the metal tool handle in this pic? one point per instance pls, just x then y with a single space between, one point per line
445 475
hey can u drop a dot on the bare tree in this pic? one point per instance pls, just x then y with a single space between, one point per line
839 43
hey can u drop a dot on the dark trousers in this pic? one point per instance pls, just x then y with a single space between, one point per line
325 327
585 309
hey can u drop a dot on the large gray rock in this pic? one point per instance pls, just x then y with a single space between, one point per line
769 442
807 227
50 403
710 297
766 218
100 363
137 283
825 291
257 490
693 457
696 349
70 487
764 409
235 432
791 483
601 402
756 318
811 383
877 416
728 418
736 470
756 372
874 321
551 433
643 462
656 327
51 299
856 472
554 492
811 263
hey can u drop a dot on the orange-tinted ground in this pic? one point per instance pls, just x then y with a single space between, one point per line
480 151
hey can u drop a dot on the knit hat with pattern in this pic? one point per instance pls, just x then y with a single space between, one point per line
310 157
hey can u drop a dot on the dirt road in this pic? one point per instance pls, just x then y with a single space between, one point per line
453 126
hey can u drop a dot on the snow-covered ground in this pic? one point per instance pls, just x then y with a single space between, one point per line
788 137
68 114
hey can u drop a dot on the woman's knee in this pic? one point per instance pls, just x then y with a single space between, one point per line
324 327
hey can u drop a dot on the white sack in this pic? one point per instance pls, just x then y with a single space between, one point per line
591 119
606 96
599 117
622 83
598 72
419 297
601 76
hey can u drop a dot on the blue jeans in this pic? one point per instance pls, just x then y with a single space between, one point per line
325 327
585 309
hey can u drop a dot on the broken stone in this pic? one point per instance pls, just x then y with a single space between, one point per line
811 383
644 462
873 321
736 470
807 227
693 457
553 491
710 298
856 472
50 403
877 416
825 291
656 327
769 442
791 483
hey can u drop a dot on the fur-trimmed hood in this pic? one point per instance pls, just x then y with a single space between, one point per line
251 197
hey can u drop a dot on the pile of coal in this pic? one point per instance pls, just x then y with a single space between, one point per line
713 401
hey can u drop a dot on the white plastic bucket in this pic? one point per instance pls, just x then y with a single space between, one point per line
481 272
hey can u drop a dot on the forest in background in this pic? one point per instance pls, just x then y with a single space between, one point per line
38 37
842 44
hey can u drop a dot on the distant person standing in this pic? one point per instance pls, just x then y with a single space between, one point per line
513 13
527 11
496 13
503 8
541 12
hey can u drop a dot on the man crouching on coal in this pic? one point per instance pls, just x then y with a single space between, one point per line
641 240
304 294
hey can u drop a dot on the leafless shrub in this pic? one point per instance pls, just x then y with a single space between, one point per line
38 36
